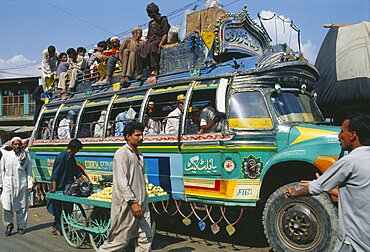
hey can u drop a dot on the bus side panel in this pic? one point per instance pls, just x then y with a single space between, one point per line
42 165
165 170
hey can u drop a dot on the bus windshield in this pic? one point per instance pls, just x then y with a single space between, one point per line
296 107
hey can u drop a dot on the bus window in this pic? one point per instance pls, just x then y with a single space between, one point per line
152 120
44 130
92 122
65 125
202 116
168 112
248 110
125 109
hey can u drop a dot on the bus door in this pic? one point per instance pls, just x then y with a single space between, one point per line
254 141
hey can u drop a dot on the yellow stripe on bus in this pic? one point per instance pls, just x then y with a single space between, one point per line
250 123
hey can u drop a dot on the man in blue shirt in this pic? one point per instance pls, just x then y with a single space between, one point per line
65 170
351 174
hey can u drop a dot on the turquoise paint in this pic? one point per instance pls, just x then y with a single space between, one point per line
26 102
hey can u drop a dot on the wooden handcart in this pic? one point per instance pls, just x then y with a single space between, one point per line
83 217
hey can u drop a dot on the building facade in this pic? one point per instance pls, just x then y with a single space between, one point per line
16 107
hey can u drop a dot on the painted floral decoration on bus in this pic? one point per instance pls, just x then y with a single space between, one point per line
229 164
251 167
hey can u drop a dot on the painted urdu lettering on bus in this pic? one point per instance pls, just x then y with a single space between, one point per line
93 164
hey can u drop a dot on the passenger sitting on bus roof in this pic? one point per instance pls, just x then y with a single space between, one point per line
72 60
66 124
111 57
94 59
152 125
62 70
99 125
48 66
173 118
192 123
81 51
209 120
96 62
77 64
127 53
157 36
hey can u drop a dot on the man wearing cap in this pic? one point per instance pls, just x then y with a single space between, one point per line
15 184
66 124
173 118
152 126
25 144
192 123
127 53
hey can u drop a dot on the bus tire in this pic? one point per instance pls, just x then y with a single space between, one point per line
305 224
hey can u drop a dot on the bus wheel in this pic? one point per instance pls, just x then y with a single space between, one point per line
304 224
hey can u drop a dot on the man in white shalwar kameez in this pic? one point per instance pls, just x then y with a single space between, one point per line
15 184
48 66
65 125
130 216
173 118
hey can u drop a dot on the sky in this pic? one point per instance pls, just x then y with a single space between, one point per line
30 26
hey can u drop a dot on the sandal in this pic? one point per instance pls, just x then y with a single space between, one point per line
55 231
9 229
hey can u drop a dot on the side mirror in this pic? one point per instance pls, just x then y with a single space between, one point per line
221 96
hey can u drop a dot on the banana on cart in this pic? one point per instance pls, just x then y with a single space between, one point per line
153 190
106 193
103 195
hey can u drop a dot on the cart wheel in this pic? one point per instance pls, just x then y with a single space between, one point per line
100 222
73 221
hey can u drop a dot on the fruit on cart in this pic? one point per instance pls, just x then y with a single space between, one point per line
106 193
103 195
153 190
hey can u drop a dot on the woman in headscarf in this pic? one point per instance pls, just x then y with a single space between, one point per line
15 184
157 36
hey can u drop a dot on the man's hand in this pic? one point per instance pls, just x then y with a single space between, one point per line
30 190
52 190
290 192
136 210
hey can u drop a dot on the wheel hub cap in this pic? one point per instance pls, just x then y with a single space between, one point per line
299 224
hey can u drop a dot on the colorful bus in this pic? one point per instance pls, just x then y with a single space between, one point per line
269 133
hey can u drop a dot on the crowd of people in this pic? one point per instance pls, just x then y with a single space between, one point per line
133 56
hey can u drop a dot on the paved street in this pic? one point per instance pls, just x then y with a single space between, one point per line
38 238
